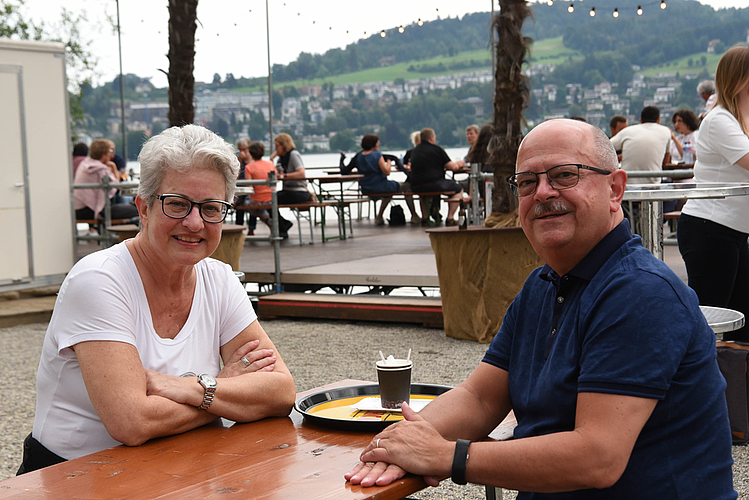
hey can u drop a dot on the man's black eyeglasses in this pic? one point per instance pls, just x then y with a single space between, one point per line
560 177
179 207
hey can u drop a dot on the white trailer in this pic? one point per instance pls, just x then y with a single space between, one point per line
37 237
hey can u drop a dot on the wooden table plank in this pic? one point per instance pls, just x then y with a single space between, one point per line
275 458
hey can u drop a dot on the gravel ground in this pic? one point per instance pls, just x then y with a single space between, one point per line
317 352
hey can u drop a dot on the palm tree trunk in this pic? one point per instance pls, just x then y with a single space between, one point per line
511 97
183 16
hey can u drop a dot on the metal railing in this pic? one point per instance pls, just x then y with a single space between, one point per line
107 238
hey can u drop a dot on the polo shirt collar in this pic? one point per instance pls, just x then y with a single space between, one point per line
591 263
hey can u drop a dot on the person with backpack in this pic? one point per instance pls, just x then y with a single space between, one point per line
372 164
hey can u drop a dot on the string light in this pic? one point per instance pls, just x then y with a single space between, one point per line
550 3
615 12
382 33
420 22
400 29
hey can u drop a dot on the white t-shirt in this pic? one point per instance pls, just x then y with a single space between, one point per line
103 298
720 145
643 148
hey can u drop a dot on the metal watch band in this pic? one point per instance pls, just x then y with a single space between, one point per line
459 461
207 398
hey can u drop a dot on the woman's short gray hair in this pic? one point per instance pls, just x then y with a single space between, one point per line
184 149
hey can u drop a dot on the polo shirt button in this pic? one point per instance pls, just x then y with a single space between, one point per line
553 331
560 299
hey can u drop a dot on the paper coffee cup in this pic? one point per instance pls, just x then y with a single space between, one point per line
394 377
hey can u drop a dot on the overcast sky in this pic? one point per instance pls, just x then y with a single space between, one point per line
231 36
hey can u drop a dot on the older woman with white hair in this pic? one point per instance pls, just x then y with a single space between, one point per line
151 337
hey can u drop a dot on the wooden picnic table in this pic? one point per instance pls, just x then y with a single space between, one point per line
338 195
274 458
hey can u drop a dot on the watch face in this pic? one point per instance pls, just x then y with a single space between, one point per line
207 381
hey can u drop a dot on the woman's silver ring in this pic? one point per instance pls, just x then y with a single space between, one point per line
377 444
245 361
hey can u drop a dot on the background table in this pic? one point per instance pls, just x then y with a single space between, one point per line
653 196
274 458
722 320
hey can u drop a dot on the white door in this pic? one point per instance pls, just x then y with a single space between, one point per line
14 249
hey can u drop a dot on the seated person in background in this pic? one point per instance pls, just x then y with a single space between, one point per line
644 146
80 152
89 203
290 169
243 148
415 140
428 165
472 133
479 153
604 356
258 168
616 125
706 90
151 337
375 168
687 127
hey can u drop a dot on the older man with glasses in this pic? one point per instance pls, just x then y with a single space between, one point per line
604 356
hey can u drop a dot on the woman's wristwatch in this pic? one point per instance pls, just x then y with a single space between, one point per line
209 385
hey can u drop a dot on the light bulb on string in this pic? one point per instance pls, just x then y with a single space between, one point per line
593 12
550 3
639 10
616 13
571 8
420 22
382 33
663 4
400 29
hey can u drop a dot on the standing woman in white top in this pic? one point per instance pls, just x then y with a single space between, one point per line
151 337
712 233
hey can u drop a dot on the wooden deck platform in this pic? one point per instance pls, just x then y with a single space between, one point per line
426 311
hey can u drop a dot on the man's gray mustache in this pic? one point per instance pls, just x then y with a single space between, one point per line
554 207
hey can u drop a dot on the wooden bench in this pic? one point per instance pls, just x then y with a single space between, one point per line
104 235
427 198
299 209
672 218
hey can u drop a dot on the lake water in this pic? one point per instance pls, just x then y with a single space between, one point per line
330 160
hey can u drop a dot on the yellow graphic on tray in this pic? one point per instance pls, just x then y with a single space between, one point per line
340 409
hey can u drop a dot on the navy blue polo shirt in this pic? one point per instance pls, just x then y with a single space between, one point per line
621 322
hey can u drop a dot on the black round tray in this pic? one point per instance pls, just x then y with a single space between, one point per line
304 404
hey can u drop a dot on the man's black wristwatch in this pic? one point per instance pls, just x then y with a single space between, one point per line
459 461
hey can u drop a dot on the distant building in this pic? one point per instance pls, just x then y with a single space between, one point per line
477 103
320 142
711 45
